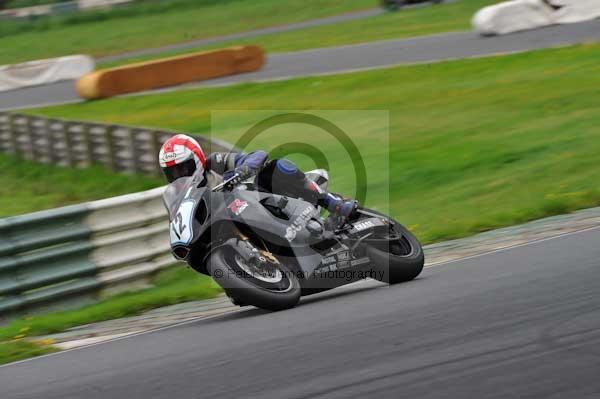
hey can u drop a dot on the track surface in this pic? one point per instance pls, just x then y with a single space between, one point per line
356 57
523 322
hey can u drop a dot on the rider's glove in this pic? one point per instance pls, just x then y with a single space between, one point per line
239 174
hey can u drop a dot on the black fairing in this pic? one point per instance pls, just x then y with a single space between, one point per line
278 221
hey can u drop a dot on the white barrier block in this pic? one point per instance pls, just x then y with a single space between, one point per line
512 16
518 15
577 11
41 72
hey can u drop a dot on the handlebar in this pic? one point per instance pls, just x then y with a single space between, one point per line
235 179
220 187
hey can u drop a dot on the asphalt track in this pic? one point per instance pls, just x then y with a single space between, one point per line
355 57
522 322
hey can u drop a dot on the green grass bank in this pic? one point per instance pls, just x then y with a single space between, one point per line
156 23
172 286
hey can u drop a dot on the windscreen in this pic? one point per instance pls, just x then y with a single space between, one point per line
180 189
175 193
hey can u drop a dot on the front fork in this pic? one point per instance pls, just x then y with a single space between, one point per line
260 257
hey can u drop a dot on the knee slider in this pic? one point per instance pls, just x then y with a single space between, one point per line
286 167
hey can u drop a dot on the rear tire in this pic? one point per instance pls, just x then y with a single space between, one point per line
244 289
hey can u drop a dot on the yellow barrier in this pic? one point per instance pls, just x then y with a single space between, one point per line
170 71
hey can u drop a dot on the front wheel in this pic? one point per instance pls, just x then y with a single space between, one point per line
396 256
274 287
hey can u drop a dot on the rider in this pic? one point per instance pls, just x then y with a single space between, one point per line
181 155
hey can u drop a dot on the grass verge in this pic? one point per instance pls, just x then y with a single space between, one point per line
392 25
27 186
474 144
154 24
12 351
172 286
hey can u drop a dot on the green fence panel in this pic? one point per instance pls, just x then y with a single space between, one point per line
55 265
67 291
42 229
10 304
8 277
40 252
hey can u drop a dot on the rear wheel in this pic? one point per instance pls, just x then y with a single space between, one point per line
270 284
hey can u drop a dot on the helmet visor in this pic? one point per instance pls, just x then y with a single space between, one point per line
183 169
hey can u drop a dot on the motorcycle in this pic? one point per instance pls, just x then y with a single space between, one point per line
395 5
268 250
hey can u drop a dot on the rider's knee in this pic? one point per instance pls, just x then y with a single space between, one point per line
286 167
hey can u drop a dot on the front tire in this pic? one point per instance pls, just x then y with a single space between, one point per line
277 293
396 260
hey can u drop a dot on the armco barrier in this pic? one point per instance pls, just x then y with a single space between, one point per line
76 254
80 144
517 15
170 71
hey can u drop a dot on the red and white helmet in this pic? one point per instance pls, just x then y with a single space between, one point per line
181 156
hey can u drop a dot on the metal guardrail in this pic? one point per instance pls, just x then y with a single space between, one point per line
70 143
79 253
74 255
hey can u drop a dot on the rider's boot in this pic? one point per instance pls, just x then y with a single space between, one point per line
337 206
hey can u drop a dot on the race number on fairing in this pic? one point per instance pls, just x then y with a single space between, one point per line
181 225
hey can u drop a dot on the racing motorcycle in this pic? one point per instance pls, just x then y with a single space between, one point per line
395 5
268 250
